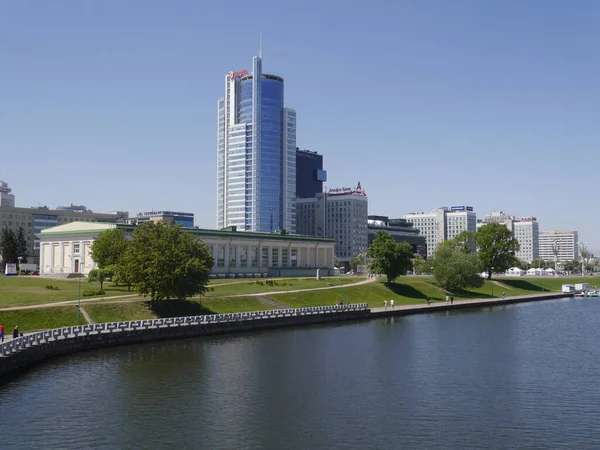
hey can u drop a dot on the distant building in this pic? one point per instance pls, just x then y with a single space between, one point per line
341 214
564 243
67 249
186 220
34 220
524 229
73 208
310 175
443 224
400 229
7 200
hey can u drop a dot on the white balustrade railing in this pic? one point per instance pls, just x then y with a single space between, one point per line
46 336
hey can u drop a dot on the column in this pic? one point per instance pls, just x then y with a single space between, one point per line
308 261
289 258
238 256
270 256
50 246
279 257
227 255
249 251
61 257
81 257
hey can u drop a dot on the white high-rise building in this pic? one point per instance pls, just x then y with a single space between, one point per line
442 224
524 229
341 214
7 200
256 153
565 243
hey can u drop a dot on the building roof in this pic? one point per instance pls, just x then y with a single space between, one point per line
78 227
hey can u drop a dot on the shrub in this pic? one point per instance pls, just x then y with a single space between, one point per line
93 292
51 288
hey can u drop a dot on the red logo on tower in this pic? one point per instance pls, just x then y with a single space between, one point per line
241 73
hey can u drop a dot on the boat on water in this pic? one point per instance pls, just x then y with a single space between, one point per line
588 294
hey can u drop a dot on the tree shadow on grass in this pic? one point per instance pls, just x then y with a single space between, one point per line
470 294
405 290
178 308
522 284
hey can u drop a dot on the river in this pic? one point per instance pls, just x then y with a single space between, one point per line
523 376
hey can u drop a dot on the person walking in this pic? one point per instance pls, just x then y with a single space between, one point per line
447 299
452 299
385 304
16 332
392 303
503 294
2 332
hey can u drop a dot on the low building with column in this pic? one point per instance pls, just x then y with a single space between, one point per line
65 249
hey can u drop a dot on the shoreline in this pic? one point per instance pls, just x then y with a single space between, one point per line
24 353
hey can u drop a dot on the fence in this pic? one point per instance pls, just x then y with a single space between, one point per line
44 337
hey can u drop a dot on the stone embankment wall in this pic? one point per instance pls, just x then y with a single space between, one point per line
22 352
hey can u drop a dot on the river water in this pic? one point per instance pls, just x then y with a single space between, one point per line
521 376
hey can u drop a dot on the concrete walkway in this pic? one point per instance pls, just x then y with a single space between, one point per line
461 304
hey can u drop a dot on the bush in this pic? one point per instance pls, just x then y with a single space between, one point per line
51 288
93 292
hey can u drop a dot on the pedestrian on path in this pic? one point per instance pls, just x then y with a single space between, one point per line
392 303
503 294
428 300
447 299
452 299
385 304
2 332
16 332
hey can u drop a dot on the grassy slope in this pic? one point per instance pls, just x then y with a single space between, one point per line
251 287
115 312
39 319
22 291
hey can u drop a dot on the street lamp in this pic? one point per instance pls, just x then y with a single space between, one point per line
491 282
79 292
582 253
19 258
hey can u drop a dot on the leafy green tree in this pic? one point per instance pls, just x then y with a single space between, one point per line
100 275
421 265
21 243
572 266
464 242
496 248
390 257
358 260
523 265
455 269
538 264
108 247
163 261
8 247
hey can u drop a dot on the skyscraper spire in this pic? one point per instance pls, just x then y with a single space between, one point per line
260 45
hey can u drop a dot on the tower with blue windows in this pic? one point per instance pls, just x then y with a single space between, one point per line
256 153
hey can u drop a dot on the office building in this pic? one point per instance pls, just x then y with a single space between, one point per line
67 249
524 229
341 214
256 153
560 244
442 224
310 175
186 220
34 220
7 200
401 230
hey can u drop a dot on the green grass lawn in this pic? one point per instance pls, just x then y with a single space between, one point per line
536 284
39 319
23 291
255 286
124 311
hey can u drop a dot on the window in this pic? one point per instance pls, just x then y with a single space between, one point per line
75 248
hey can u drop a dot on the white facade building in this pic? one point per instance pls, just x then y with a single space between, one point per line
564 243
341 214
526 231
442 224
66 249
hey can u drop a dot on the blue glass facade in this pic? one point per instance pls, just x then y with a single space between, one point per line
253 167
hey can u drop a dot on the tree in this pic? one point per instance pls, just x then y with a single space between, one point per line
100 275
464 242
455 269
497 247
108 248
572 266
358 260
21 244
390 257
163 261
421 265
8 247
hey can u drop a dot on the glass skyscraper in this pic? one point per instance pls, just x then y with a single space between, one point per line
256 154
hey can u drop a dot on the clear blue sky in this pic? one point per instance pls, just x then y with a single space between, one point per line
493 104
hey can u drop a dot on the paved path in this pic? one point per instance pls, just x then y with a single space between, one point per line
476 302
86 316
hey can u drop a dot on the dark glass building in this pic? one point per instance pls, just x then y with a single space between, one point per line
309 174
401 230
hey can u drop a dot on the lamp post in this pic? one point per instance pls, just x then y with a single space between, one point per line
491 282
431 285
79 292
341 293
582 256
19 270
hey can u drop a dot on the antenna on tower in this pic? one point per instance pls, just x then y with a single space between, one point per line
260 45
